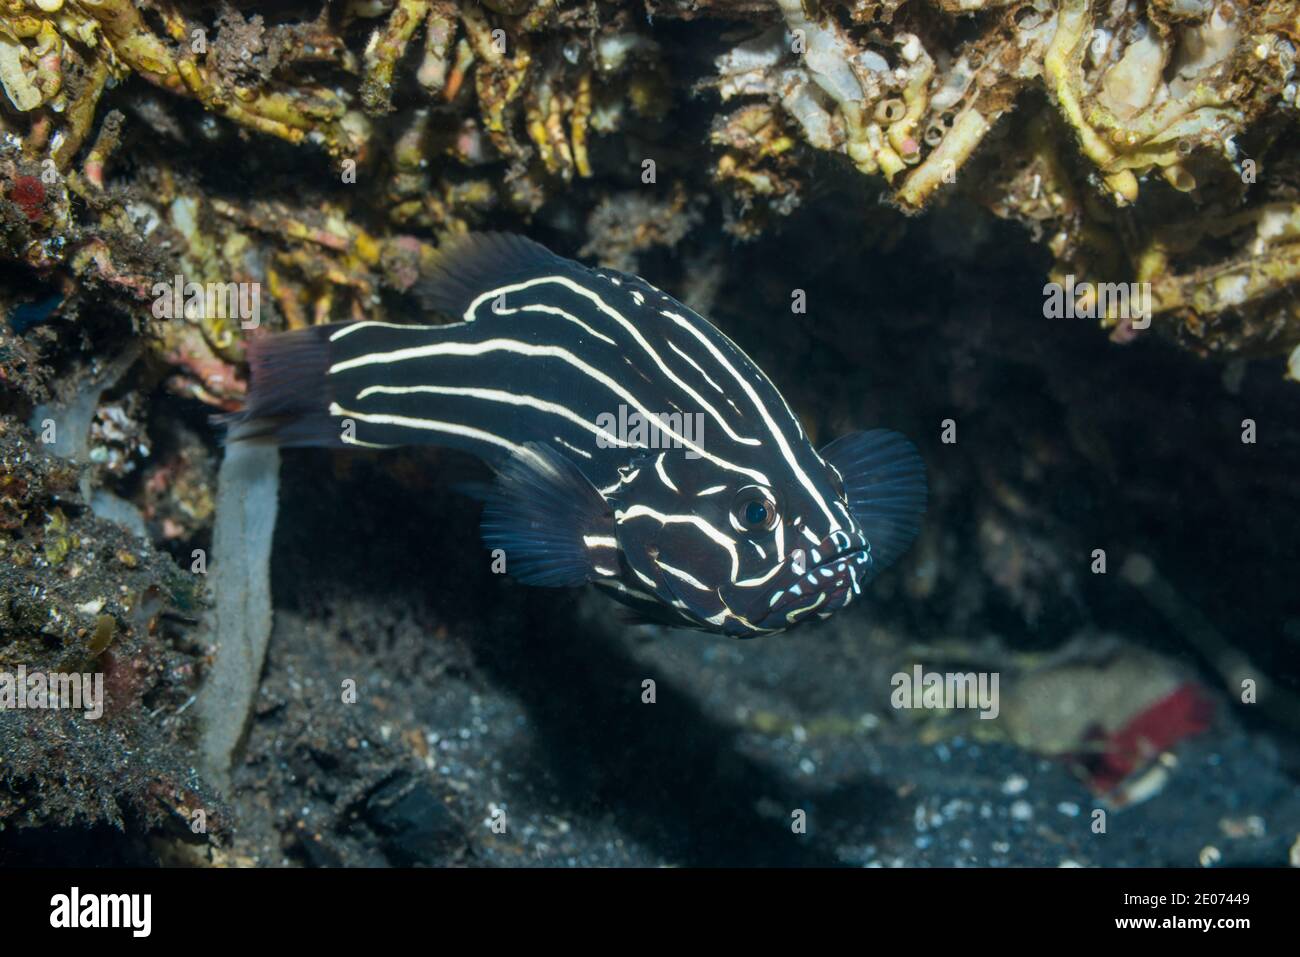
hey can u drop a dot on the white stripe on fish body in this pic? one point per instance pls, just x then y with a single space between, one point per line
663 475
374 324
517 347
353 440
623 589
645 579
795 613
761 580
696 366
717 537
552 311
433 425
629 327
683 576
573 448
624 478
781 441
499 395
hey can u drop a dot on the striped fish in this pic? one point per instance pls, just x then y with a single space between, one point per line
735 525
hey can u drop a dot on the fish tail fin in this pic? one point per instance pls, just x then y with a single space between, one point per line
289 396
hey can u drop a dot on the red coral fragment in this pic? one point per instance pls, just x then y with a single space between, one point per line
28 195
1185 711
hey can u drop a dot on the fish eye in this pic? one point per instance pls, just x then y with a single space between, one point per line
837 480
754 509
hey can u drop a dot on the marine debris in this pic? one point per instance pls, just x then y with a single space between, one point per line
248 484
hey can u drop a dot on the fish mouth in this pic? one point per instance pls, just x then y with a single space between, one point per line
820 590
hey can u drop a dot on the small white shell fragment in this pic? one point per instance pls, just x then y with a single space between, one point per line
19 87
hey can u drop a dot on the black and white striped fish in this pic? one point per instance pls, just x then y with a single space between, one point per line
740 526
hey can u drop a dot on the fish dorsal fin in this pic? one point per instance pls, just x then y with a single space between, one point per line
468 266
647 290
550 522
885 484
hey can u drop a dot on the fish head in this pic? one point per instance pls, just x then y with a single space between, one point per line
803 554
738 556
843 514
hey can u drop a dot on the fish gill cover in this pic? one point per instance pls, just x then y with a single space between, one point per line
1054 242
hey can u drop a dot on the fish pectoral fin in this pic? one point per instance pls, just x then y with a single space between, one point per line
885 484
553 526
